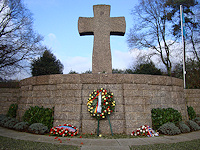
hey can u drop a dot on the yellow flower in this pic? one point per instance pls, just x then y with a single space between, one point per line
109 113
109 96
102 94
105 93
100 135
89 98
103 116
111 93
101 88
95 93
102 113
90 95
88 109
104 98
106 103
113 104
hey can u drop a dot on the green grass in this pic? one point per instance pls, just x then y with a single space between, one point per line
10 144
189 145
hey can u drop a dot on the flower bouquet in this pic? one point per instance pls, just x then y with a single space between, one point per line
65 130
145 131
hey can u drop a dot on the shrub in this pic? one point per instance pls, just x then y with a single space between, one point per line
21 126
161 116
183 127
11 123
3 121
2 117
38 128
169 128
191 112
12 112
197 120
193 125
39 115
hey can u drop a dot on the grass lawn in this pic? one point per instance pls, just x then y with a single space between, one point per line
189 145
10 144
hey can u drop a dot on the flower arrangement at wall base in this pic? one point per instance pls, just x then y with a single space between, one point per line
145 131
65 130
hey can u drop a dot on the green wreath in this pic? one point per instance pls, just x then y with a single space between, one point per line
107 103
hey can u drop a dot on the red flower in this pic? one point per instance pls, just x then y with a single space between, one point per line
80 137
104 104
60 141
55 137
82 143
72 135
91 133
65 125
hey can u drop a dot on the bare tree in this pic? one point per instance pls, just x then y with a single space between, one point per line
151 30
18 41
191 9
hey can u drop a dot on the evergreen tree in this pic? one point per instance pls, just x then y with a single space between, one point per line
147 68
46 65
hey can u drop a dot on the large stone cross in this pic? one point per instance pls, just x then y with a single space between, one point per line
101 26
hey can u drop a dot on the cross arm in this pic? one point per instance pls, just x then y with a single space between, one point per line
85 26
117 26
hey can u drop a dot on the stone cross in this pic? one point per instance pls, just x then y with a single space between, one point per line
101 26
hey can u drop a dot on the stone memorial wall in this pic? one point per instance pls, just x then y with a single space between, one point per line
135 96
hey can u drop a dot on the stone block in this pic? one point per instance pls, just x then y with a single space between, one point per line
130 116
119 108
134 108
90 78
117 126
69 86
177 82
86 116
142 79
134 100
73 116
117 116
111 78
68 93
89 126
133 93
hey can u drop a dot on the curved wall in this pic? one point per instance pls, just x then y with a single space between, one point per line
135 96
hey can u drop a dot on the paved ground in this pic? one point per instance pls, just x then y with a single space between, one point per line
95 144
